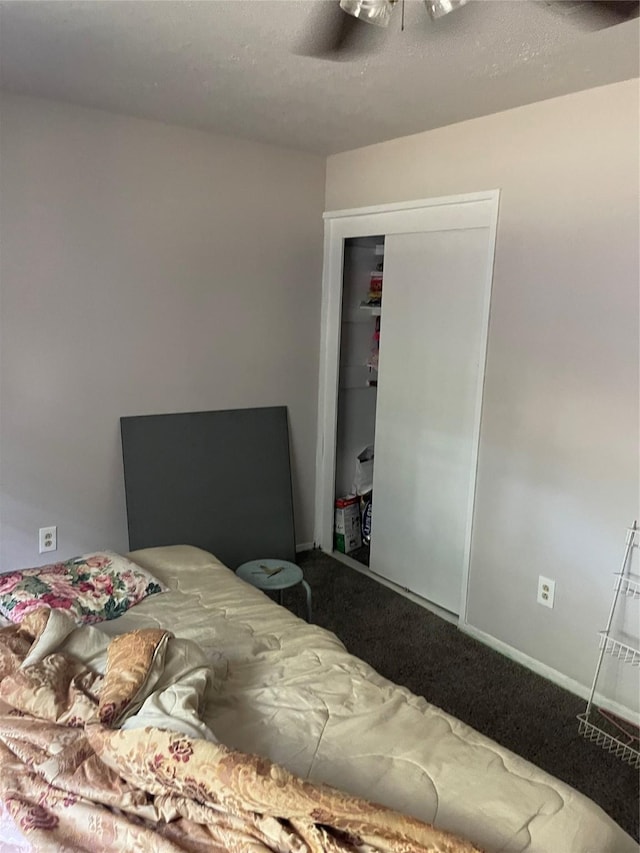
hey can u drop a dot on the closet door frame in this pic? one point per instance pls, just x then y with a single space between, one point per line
442 213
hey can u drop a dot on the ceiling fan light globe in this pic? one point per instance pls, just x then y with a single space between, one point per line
439 8
376 12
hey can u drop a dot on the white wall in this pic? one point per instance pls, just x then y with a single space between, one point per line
145 268
558 466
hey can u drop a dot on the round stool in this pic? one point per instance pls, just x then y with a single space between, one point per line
274 575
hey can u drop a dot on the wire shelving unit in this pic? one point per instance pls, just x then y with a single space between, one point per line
608 731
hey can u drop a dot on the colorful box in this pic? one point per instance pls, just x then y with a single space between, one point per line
348 536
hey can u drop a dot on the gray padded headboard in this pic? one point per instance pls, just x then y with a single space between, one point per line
218 480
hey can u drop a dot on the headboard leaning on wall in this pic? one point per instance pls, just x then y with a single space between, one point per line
217 480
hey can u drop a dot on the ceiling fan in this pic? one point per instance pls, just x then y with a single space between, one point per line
378 12
338 31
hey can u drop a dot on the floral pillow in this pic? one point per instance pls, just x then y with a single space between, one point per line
91 588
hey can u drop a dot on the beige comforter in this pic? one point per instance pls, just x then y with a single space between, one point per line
72 782
291 692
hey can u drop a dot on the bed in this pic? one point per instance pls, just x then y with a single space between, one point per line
290 692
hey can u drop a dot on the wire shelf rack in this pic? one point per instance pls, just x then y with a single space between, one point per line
628 586
617 649
608 742
615 734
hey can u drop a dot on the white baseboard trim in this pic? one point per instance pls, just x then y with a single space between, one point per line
303 546
550 673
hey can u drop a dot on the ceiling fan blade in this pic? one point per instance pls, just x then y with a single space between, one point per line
595 14
333 34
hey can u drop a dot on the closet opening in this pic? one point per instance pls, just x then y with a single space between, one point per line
360 335
405 436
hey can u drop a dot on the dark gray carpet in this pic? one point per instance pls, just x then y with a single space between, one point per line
512 705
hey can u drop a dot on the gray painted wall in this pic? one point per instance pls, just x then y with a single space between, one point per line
558 465
145 268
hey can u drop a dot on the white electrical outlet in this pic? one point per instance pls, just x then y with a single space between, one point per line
546 591
47 539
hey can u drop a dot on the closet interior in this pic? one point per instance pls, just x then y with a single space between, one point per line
360 333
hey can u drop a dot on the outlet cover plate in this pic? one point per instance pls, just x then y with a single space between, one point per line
546 591
47 539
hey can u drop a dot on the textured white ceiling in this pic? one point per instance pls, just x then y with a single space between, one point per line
234 66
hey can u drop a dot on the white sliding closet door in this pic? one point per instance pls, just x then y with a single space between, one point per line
432 343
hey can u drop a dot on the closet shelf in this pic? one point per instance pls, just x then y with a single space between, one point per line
357 316
617 649
374 310
608 742
366 387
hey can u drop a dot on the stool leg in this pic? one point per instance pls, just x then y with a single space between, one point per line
281 597
308 592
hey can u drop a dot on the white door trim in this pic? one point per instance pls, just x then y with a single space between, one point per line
465 211
416 204
486 310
